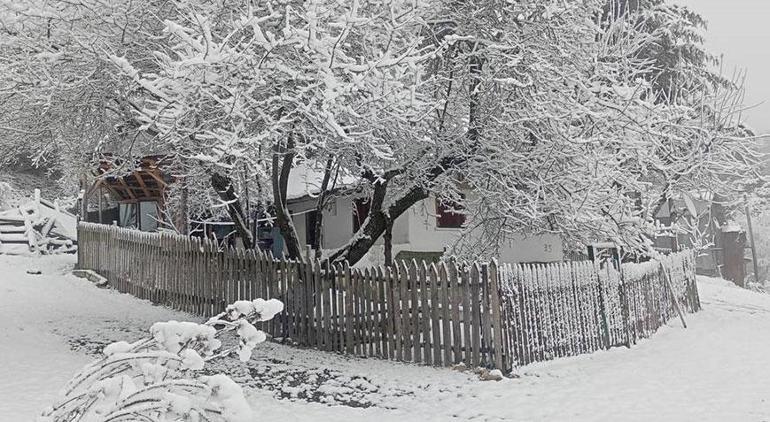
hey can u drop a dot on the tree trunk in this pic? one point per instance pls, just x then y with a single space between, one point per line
224 188
182 225
280 181
375 224
388 239
319 209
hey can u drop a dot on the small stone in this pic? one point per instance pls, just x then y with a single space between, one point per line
493 375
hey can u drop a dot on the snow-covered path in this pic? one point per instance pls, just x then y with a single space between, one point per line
715 370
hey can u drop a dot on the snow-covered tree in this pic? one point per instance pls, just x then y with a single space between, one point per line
158 378
268 85
576 118
62 102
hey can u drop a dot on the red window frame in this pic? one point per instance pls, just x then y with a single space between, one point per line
447 215
360 212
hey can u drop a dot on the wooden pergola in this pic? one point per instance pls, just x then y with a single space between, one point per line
145 181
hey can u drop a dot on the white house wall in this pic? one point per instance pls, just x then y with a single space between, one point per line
427 237
416 231
338 223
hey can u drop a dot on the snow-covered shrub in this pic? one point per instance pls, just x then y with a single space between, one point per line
157 378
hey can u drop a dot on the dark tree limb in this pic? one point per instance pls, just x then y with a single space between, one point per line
320 205
283 158
224 188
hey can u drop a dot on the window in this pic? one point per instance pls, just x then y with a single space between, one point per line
148 216
449 214
140 215
360 212
127 214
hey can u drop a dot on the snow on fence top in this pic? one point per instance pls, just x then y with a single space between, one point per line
571 308
481 314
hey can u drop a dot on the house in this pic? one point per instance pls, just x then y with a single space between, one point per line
136 198
424 231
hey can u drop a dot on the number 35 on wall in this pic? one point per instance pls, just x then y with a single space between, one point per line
547 247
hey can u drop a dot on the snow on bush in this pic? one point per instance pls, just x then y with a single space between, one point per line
157 378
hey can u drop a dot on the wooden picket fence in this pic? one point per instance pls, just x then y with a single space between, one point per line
567 309
480 314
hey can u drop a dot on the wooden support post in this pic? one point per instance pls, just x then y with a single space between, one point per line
751 242
670 287
603 311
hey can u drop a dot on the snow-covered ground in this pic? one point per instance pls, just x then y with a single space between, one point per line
716 370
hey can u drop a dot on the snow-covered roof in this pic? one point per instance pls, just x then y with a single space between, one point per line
306 178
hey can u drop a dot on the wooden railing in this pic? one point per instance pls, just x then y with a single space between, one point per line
439 314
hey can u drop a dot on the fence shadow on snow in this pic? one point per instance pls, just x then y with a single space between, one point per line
496 316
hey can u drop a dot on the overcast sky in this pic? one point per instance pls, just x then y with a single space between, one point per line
740 29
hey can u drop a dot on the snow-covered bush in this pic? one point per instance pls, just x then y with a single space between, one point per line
157 378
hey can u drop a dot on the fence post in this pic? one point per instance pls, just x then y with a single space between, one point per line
79 264
674 299
625 308
603 310
497 317
693 282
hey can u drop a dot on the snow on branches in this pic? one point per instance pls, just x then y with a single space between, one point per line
575 118
157 378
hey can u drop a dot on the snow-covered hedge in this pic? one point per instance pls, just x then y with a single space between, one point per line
158 378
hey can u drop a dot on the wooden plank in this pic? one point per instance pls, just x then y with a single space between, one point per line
567 308
523 354
579 313
414 308
386 292
138 177
466 315
338 307
377 312
446 325
406 319
318 305
425 314
308 304
326 287
125 186
455 299
194 275
670 288
355 313
486 323
435 314
394 284
360 317
497 320
366 310
475 318
349 309
295 298
547 312
535 333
